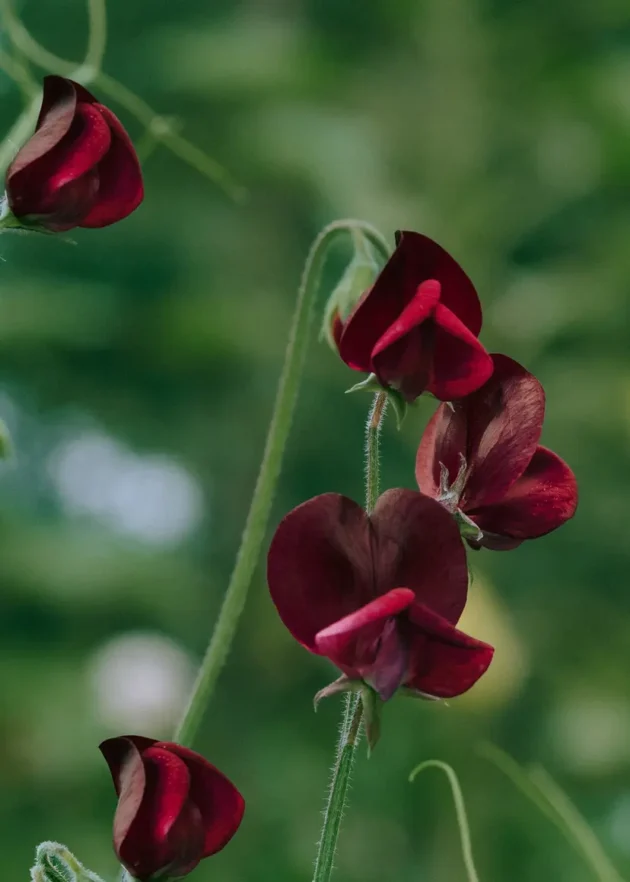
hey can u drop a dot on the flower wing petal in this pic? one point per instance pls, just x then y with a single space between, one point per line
460 362
220 804
541 500
443 661
121 189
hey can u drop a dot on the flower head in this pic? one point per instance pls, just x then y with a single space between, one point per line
416 328
378 595
174 807
79 168
480 457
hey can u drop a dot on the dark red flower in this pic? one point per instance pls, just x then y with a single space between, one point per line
79 169
481 458
378 595
174 807
416 328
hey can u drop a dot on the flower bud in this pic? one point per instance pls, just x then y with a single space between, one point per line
355 281
78 169
174 807
56 863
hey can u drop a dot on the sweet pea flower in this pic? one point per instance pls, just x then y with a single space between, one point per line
481 458
416 328
79 168
174 807
378 595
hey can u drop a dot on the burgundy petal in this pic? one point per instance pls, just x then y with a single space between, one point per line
443 662
153 788
460 362
366 644
417 544
542 499
60 185
55 118
415 260
443 439
120 752
220 804
120 178
403 356
496 430
149 845
319 565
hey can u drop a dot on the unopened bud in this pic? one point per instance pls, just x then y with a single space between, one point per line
56 863
357 278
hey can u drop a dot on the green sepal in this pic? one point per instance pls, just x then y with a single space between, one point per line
372 706
398 403
370 384
343 684
468 529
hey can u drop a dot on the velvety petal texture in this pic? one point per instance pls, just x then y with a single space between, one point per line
174 807
481 455
79 169
378 595
417 326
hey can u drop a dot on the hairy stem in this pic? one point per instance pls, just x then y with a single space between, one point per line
258 517
353 709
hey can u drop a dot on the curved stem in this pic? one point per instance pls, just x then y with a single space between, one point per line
258 517
97 35
460 811
353 709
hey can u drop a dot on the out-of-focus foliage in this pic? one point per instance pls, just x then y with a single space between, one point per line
137 373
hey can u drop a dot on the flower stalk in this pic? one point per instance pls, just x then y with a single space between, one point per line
260 508
353 710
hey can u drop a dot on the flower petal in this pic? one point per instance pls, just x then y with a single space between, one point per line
415 260
460 362
541 500
220 804
366 644
417 544
443 662
403 356
59 103
152 786
496 429
319 565
120 178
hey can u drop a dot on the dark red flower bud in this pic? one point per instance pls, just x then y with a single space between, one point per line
79 169
378 595
174 807
417 326
481 458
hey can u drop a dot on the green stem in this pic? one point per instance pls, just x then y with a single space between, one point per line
460 811
258 517
353 709
372 449
346 750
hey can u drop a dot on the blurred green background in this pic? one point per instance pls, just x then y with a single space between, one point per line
137 374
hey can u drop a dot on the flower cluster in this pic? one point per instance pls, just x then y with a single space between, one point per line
380 593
